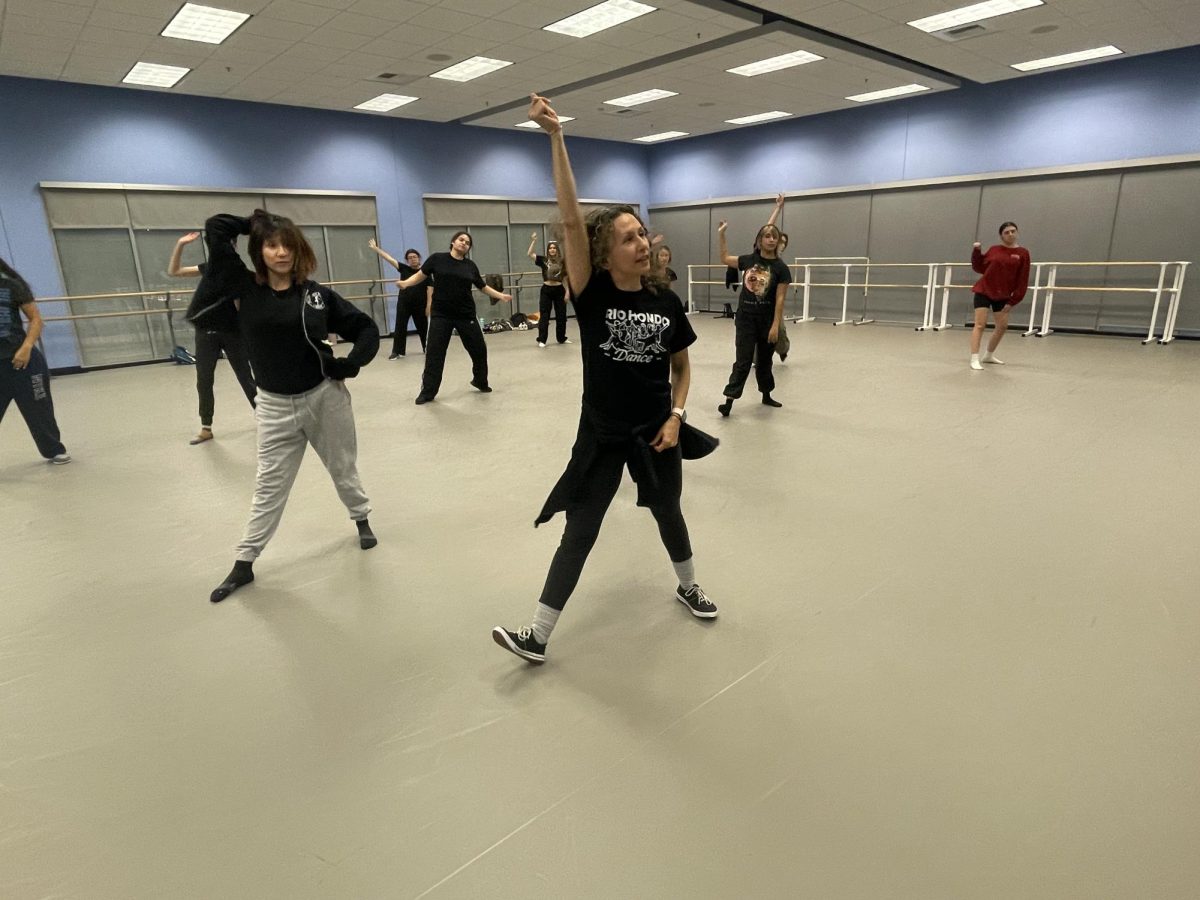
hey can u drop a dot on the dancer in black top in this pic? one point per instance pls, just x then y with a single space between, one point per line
210 342
553 295
759 313
24 374
636 375
662 264
302 397
412 303
452 308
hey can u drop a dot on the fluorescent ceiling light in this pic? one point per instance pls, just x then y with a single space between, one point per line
643 97
760 117
154 75
1096 53
975 13
529 123
889 92
661 136
206 24
775 63
471 68
599 17
385 102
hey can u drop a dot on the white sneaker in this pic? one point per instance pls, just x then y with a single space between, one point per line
542 344
567 341
61 460
975 364
991 358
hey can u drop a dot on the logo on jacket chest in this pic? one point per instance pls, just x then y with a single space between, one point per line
314 300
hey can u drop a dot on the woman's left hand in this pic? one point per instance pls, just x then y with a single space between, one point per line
668 435
20 359
505 298
773 335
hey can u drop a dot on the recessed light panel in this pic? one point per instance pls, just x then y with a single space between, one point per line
385 102
889 92
760 117
599 17
470 69
529 123
661 136
775 63
643 97
155 75
975 13
206 24
1067 58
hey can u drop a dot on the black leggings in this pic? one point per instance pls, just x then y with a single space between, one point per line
552 296
209 345
440 329
750 337
30 387
584 521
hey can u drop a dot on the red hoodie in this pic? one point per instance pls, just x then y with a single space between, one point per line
1005 272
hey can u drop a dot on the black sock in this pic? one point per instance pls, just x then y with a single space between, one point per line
366 537
768 401
725 408
242 573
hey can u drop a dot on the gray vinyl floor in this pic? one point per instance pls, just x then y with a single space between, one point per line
958 653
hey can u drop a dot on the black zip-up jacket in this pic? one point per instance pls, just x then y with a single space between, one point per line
284 331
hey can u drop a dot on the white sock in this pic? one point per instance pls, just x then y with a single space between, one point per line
990 357
686 572
544 620
975 364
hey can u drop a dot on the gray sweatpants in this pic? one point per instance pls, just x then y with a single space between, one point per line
287 424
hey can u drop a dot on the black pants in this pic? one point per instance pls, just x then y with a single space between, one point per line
471 336
750 336
30 387
209 345
585 519
552 297
406 309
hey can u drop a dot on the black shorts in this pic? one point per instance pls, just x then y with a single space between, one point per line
982 301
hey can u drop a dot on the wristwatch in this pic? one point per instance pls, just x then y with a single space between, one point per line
680 413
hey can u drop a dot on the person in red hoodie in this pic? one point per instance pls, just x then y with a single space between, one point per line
1005 271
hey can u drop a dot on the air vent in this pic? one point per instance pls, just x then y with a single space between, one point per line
394 78
622 112
960 32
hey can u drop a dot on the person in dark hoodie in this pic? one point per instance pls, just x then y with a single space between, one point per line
302 397
634 336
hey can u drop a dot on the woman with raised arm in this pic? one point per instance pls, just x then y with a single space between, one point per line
1005 271
452 308
662 265
553 295
24 374
412 303
636 374
210 342
760 310
302 396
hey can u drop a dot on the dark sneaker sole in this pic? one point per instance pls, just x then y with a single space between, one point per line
699 614
500 636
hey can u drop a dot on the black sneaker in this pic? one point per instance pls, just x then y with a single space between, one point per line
522 643
695 600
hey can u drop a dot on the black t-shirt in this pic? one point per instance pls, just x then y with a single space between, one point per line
413 296
14 294
552 269
452 281
628 338
760 279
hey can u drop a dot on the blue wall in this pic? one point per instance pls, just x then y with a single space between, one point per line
1122 109
64 132
1140 107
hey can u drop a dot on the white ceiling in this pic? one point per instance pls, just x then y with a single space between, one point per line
329 54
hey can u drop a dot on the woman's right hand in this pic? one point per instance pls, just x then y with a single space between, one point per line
188 238
371 243
977 245
540 112
721 226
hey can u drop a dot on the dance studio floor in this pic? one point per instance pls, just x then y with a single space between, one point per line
958 653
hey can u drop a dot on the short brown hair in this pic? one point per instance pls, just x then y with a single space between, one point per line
266 228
